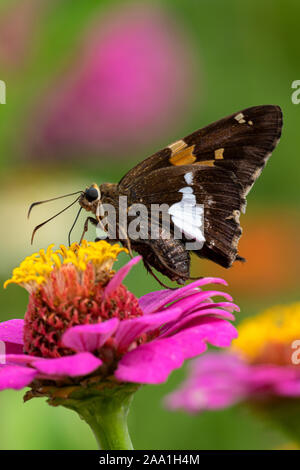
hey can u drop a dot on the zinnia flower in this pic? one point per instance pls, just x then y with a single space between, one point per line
261 369
84 332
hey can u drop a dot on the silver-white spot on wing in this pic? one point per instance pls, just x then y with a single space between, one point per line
187 215
189 177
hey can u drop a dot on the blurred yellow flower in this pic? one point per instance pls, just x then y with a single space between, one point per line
268 336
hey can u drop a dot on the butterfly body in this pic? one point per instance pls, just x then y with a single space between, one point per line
163 253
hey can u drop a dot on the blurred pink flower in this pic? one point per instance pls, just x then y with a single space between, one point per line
130 82
258 369
219 380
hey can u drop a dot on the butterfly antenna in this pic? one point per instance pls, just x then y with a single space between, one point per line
51 218
49 200
74 223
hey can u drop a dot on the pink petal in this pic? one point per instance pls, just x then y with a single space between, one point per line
216 380
230 306
72 366
89 337
195 304
12 331
154 301
149 363
289 388
192 340
269 377
16 377
17 359
129 330
153 362
185 322
216 362
212 392
194 301
120 275
214 331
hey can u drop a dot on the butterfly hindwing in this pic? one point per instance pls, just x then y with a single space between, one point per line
193 186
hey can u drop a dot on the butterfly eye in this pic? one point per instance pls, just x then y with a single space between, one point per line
92 194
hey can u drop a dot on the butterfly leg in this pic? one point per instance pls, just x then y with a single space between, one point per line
125 240
126 243
86 226
149 269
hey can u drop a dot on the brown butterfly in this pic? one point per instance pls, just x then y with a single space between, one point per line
213 168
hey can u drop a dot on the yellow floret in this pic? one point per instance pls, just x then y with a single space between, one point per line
36 268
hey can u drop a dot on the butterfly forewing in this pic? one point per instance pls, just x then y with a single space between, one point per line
241 142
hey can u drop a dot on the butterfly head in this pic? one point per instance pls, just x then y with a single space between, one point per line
90 199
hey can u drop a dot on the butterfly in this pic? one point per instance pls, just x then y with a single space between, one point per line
202 180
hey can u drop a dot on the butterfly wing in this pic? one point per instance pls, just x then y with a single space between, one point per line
241 142
224 158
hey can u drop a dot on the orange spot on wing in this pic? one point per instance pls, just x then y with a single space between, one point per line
219 154
185 157
206 163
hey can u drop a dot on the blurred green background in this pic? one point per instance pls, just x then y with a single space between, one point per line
93 88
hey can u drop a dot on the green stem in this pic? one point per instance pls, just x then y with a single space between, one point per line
104 407
108 420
